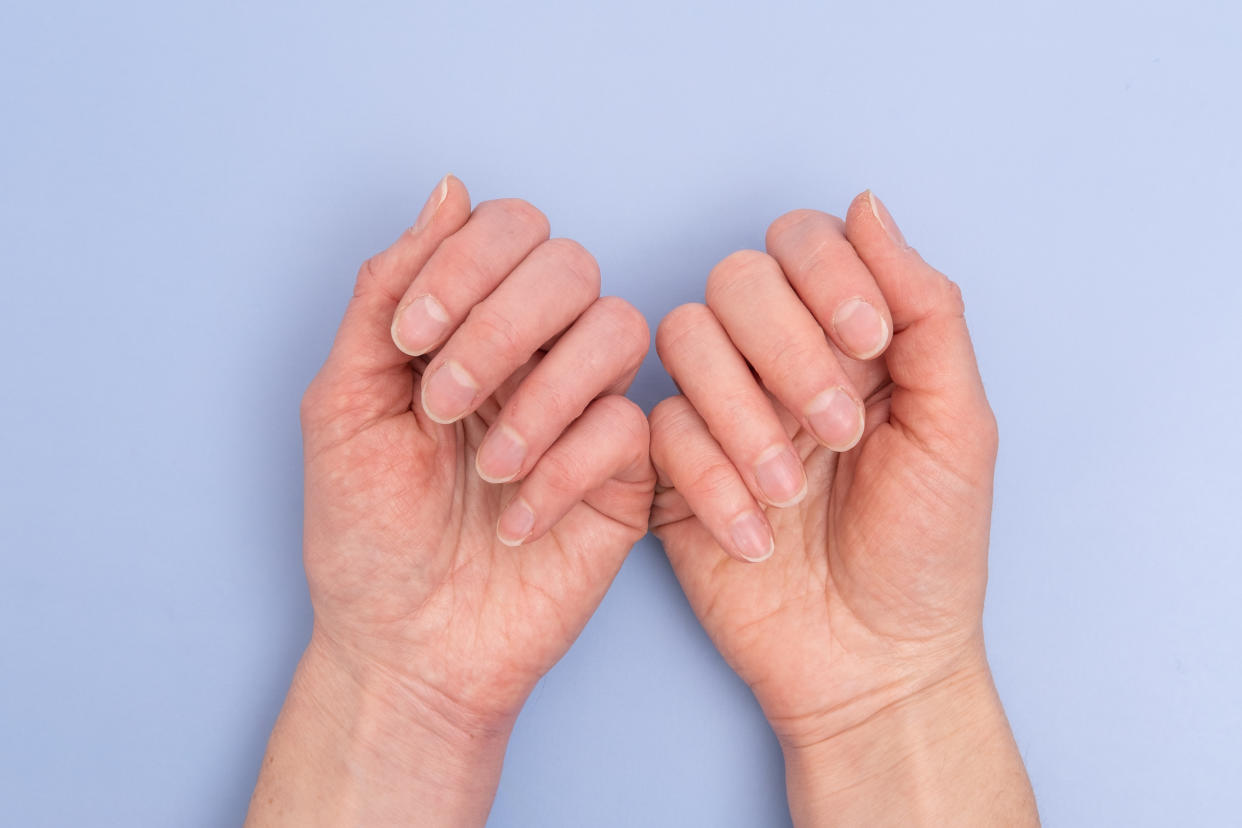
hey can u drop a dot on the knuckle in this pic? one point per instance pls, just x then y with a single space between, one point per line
496 334
577 260
788 361
739 273
547 400
561 472
461 260
626 425
952 297
988 430
369 275
798 223
627 327
519 212
667 415
670 422
680 322
714 478
625 417
310 404
744 400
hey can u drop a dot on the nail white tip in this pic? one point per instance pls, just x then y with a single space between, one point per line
761 559
396 340
883 342
485 477
436 419
442 191
793 501
509 541
862 426
874 210
422 401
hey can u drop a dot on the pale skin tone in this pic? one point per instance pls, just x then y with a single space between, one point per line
855 463
475 478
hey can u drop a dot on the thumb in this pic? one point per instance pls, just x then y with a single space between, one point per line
938 395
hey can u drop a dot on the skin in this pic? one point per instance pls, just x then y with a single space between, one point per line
846 588
440 598
474 479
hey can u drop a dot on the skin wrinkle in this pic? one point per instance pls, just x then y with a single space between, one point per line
897 686
369 282
400 684
912 754
906 697
343 412
871 603
782 607
815 260
888 533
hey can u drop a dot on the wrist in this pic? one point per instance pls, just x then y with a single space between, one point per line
393 715
941 755
355 744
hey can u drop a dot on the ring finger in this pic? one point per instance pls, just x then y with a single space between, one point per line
716 379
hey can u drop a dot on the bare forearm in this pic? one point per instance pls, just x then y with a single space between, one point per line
353 748
944 757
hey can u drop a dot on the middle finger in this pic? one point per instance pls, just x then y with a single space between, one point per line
776 333
539 299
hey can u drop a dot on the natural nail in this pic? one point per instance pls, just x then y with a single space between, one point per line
449 393
501 455
861 327
780 476
419 325
836 419
751 537
432 206
886 220
516 523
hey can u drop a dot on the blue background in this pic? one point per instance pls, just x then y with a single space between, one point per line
188 188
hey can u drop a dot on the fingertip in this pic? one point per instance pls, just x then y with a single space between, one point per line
861 328
448 392
504 451
836 419
419 324
781 477
797 222
446 209
869 221
516 524
751 537
860 209
455 193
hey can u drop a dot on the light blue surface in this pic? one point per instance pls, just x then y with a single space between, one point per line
186 192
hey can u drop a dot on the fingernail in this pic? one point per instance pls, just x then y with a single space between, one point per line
886 220
419 325
449 393
836 419
501 455
516 523
779 474
433 204
861 327
751 537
